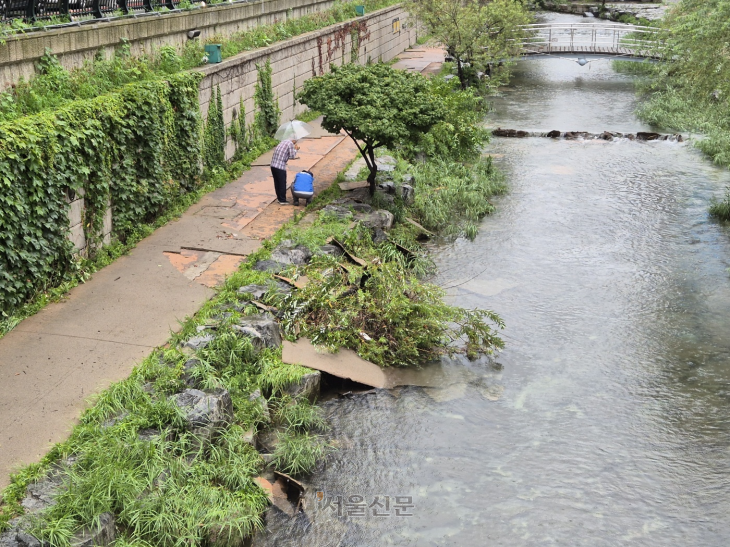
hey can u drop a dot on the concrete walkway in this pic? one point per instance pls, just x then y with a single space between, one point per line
52 362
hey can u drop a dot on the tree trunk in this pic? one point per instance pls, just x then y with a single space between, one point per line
462 76
373 170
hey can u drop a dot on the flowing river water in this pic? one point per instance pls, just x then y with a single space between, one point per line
607 418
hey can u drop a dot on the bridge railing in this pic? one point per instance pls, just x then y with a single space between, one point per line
548 37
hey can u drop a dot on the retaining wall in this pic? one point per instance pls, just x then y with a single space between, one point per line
145 33
382 35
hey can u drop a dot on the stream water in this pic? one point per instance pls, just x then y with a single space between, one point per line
607 419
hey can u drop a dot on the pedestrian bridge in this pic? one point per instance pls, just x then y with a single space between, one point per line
578 40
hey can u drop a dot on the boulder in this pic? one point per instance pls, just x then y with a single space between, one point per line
41 495
499 132
262 329
199 342
307 386
387 187
288 253
572 135
268 439
271 266
554 134
362 207
205 412
407 193
378 219
646 136
188 373
339 212
379 236
100 535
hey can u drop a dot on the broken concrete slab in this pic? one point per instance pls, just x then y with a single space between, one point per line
343 364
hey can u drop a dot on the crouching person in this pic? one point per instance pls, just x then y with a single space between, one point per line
303 187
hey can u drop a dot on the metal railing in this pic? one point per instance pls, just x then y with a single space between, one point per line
31 11
595 38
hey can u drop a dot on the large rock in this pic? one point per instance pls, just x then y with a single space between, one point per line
205 412
288 253
332 250
261 401
407 193
379 236
101 535
271 266
378 219
261 329
199 342
256 291
339 212
307 387
188 373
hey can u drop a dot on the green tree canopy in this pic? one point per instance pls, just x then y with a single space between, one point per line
480 34
375 105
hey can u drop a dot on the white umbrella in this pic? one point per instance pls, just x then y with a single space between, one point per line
293 130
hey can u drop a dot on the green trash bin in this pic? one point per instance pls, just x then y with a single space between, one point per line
213 52
360 10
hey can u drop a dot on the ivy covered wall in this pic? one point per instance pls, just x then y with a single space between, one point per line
137 149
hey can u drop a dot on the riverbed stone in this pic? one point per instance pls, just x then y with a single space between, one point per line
306 388
205 412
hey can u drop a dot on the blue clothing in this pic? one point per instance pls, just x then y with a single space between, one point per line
303 182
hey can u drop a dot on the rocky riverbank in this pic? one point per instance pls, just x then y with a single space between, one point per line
214 428
612 11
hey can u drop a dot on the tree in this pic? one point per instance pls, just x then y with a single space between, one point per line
375 105
479 34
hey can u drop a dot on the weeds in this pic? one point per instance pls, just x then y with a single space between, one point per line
298 453
721 208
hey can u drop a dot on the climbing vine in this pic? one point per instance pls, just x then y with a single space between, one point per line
214 136
267 115
135 149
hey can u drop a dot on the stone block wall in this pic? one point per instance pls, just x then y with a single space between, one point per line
382 35
145 33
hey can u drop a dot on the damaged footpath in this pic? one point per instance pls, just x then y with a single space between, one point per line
214 428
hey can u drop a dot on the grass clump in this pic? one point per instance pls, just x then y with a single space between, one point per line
298 453
721 208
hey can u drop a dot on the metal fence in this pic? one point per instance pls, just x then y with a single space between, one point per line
38 10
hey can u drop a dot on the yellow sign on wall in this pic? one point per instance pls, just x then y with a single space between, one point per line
396 25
